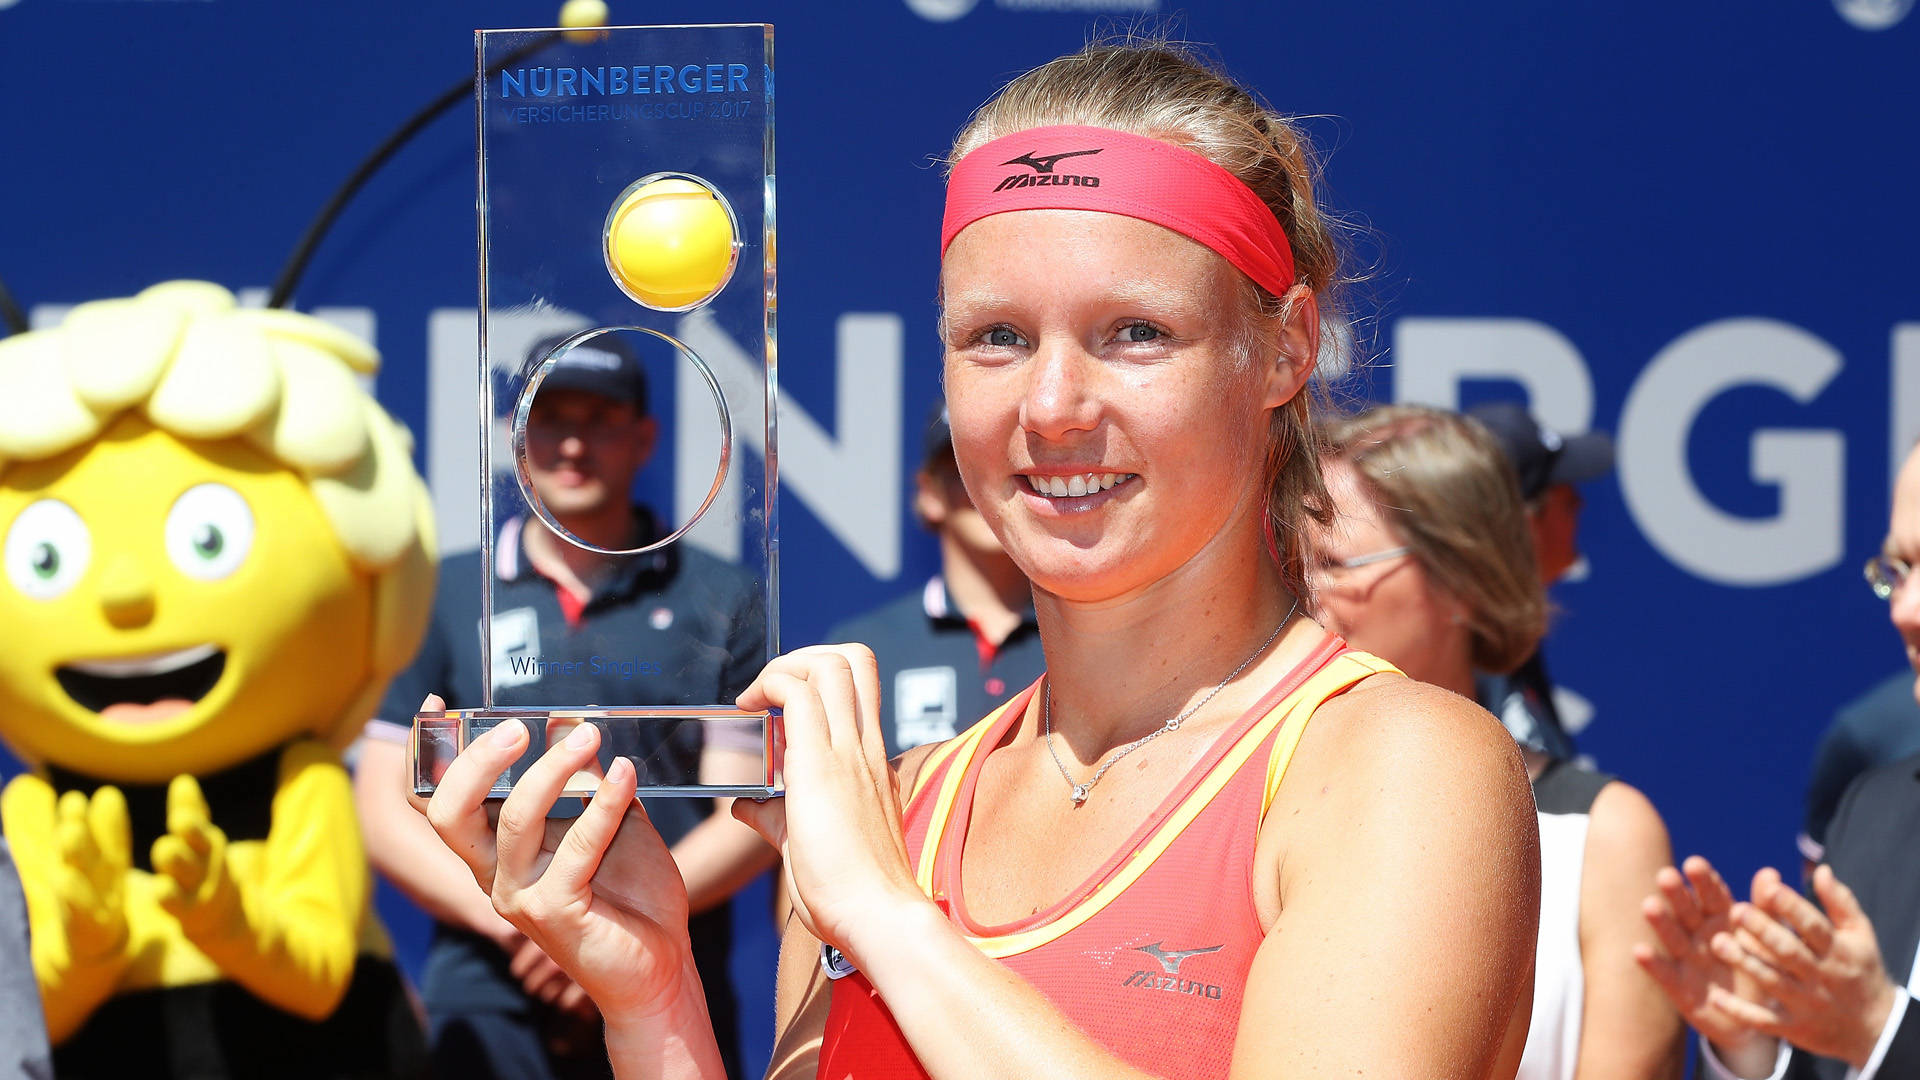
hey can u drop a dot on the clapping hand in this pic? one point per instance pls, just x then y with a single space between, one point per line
95 847
196 882
1689 913
1773 968
1822 984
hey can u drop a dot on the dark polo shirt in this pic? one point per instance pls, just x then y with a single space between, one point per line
937 673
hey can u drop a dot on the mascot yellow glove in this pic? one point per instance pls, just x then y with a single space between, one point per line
96 850
196 887
279 917
73 855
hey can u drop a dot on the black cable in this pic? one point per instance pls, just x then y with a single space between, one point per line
10 312
296 264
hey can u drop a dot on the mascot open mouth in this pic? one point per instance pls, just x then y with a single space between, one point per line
143 689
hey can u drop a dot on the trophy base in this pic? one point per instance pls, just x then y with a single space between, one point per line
659 741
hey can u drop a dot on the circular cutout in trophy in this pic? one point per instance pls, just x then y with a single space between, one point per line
566 453
671 241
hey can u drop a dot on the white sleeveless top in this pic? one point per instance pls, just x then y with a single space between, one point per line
1564 794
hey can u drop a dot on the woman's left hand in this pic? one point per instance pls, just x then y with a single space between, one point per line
600 893
839 826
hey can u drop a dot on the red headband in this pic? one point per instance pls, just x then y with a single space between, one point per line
1091 168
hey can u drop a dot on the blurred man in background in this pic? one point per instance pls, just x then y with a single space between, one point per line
1549 467
1778 987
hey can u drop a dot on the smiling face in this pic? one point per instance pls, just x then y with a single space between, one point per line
1105 418
171 607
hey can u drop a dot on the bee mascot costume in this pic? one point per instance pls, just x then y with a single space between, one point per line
217 554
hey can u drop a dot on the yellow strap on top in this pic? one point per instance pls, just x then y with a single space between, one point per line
930 764
1339 674
961 748
1293 711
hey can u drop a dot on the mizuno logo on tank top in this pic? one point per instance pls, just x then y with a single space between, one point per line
1171 959
1173 984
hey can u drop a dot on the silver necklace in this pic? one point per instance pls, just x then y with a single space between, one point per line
1081 791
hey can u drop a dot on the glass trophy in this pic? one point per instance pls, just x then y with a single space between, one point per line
627 303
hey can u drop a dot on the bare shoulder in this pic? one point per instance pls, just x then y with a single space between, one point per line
1398 877
1402 762
1390 730
1625 837
1622 816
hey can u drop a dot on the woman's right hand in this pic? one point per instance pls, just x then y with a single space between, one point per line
599 893
839 827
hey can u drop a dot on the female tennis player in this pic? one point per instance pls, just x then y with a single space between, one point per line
1212 841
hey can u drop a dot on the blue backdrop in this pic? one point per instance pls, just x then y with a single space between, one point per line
1690 223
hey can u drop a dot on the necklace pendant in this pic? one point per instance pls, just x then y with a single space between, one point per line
1080 793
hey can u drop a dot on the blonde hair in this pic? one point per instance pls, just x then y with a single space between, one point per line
1159 89
197 366
1444 488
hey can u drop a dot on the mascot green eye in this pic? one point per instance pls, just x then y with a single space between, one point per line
209 531
47 549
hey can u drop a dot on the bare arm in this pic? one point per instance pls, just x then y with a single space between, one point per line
1432 789
1409 895
847 869
720 855
1628 1029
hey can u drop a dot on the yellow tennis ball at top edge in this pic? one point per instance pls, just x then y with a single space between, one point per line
583 17
671 243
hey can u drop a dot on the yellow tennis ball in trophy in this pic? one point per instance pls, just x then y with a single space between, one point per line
670 243
583 18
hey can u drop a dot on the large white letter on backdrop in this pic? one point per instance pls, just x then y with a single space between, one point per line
1906 396
1804 537
1432 357
852 484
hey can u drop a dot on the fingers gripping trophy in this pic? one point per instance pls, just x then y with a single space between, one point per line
627 306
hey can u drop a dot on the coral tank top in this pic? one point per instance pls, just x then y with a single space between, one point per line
1149 956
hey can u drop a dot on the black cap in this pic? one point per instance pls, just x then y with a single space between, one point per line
603 365
1542 457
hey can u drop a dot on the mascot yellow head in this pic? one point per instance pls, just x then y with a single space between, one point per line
215 541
